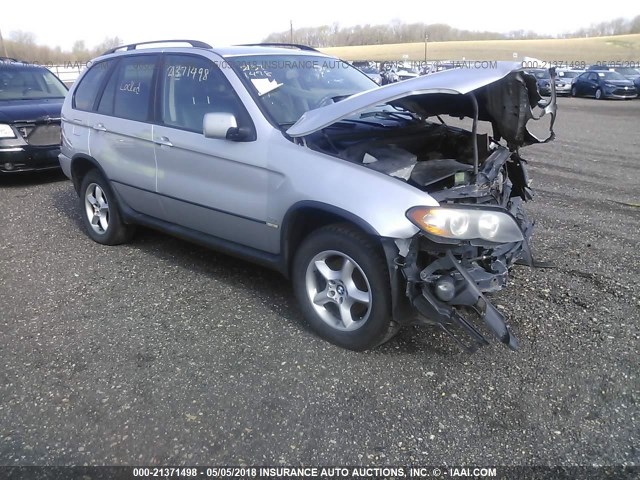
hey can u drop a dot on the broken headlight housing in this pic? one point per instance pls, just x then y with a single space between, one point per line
455 223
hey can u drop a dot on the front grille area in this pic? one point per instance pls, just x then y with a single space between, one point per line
40 135
624 93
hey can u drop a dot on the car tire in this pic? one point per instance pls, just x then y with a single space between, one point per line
99 210
599 94
574 91
341 282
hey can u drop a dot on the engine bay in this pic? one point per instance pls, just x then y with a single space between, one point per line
430 156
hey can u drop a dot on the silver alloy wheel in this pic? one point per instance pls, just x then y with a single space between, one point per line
598 94
97 208
338 290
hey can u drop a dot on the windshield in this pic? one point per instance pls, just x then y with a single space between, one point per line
27 83
540 73
611 76
628 71
290 85
369 70
568 74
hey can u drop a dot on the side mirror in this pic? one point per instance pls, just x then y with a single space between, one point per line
223 126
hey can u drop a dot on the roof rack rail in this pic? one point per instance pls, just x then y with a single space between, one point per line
8 59
284 45
133 46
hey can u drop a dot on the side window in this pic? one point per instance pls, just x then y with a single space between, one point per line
89 88
128 92
193 86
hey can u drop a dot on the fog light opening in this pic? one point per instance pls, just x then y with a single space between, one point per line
445 288
8 166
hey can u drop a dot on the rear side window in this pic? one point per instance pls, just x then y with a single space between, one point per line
128 92
87 91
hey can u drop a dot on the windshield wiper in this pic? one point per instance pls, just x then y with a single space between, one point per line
337 98
351 121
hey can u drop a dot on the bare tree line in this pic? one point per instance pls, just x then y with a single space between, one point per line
22 45
399 32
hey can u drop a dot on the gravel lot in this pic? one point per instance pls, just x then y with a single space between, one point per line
161 352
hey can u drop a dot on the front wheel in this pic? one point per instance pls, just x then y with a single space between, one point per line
341 281
574 91
100 213
598 94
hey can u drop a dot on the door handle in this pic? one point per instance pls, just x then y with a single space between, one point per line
99 127
164 141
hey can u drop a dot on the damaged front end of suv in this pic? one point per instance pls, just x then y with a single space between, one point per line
464 247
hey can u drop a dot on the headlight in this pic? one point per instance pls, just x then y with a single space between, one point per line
608 85
6 131
466 223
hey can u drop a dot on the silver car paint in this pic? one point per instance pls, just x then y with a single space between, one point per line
233 190
124 147
126 153
225 185
75 133
377 199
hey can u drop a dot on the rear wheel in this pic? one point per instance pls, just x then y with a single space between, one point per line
599 94
100 213
574 91
341 282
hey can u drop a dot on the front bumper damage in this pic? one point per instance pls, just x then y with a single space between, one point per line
419 266
469 281
467 275
445 285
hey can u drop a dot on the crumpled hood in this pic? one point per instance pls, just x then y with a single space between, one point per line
12 111
506 97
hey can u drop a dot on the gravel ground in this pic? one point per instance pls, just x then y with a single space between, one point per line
161 352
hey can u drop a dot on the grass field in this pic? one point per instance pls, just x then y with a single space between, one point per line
590 50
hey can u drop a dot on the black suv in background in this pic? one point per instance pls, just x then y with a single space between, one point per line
30 102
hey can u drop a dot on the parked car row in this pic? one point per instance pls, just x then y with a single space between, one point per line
596 81
389 72
603 84
380 213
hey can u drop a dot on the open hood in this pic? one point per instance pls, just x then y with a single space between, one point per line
506 96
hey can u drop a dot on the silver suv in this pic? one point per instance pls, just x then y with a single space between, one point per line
381 213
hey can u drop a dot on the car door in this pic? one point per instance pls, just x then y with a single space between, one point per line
582 84
592 84
77 121
122 132
218 187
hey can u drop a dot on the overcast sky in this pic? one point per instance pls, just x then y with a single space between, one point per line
62 23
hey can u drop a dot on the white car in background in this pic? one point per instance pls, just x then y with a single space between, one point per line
406 72
564 80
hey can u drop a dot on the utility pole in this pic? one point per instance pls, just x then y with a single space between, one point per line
290 31
426 45
4 47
